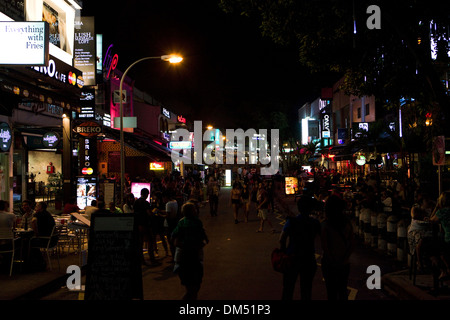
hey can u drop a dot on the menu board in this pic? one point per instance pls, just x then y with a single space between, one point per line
291 185
114 261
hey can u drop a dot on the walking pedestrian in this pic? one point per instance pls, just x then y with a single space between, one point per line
246 200
189 238
213 196
236 199
142 210
262 208
301 231
337 240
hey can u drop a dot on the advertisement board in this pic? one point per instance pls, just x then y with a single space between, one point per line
27 43
136 188
60 17
86 191
291 185
85 47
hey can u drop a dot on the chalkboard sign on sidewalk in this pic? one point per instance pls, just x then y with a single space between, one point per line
114 265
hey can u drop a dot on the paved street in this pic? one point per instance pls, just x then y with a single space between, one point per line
237 264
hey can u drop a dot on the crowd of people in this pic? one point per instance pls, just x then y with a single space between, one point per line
325 210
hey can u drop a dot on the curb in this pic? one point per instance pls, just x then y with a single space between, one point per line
398 285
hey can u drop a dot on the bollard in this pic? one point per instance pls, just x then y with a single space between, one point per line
391 234
381 224
402 235
374 229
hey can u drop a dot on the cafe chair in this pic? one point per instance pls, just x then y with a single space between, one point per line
7 244
50 246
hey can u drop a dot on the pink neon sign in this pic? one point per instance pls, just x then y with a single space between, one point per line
110 61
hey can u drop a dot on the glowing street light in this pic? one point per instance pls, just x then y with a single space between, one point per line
171 58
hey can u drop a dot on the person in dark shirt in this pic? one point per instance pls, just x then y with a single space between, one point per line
43 222
189 238
301 231
143 211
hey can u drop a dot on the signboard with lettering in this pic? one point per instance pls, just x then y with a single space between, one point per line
50 139
27 43
88 129
5 137
114 262
180 144
85 56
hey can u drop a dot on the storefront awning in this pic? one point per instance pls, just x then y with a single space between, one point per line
140 143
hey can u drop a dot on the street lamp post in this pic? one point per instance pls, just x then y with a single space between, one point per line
169 58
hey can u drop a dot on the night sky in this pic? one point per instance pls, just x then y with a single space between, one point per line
229 69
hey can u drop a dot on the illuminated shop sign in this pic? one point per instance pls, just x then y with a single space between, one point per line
326 126
180 145
88 129
5 137
110 62
88 156
181 119
166 113
27 43
157 166
61 72
50 139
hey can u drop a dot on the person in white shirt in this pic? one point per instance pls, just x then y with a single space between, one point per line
172 217
7 219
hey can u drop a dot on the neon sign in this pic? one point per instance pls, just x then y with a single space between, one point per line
110 61
156 166
181 119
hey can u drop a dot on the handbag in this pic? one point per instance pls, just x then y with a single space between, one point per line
281 261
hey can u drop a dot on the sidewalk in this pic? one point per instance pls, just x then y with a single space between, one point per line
33 286
397 284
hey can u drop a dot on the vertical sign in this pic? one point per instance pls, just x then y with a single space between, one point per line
85 46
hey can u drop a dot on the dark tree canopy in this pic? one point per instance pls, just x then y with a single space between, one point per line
391 63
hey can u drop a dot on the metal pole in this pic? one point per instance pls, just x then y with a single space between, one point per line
122 148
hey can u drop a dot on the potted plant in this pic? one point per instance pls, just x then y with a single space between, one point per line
55 181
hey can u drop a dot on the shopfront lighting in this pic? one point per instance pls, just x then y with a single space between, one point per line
171 58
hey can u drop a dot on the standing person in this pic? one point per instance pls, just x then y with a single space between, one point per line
189 238
142 210
441 215
246 200
213 196
236 200
171 218
128 207
337 240
262 207
301 231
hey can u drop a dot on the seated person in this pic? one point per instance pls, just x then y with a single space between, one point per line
114 209
89 210
27 214
7 220
42 224
70 207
